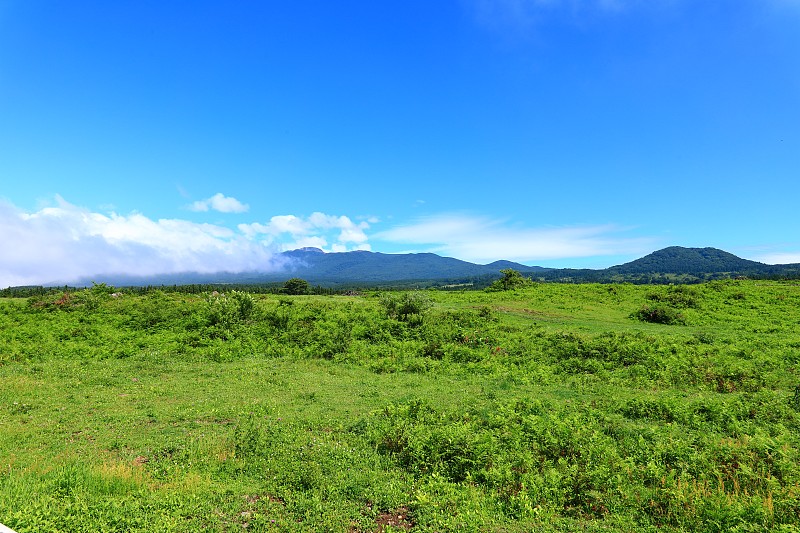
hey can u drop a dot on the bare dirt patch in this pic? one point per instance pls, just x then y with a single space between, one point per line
398 518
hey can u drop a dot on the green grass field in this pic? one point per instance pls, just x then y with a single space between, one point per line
550 408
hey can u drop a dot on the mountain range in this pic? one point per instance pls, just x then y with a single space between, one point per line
361 268
677 264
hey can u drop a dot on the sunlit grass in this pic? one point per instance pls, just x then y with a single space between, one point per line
547 408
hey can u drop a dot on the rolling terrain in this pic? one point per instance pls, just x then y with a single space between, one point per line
553 407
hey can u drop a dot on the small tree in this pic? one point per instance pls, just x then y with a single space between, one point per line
296 286
101 289
511 279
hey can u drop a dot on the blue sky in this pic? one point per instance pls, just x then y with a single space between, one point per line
149 136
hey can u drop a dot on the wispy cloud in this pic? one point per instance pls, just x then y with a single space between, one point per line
67 242
779 258
526 14
790 4
482 240
220 202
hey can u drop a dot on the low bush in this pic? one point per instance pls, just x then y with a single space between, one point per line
659 314
680 296
406 306
225 310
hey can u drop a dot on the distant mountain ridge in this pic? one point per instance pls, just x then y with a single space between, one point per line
677 264
313 264
673 264
679 260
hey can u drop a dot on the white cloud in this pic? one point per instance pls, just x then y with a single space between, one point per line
66 242
288 224
220 202
484 240
314 231
313 241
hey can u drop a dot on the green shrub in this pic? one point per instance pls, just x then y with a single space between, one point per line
662 409
407 305
510 279
659 314
226 310
680 296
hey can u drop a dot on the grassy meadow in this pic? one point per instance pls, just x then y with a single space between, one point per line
547 408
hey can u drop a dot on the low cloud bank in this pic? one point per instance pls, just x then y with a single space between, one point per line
66 242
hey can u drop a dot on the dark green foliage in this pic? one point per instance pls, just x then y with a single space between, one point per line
659 314
795 400
296 286
510 279
679 260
